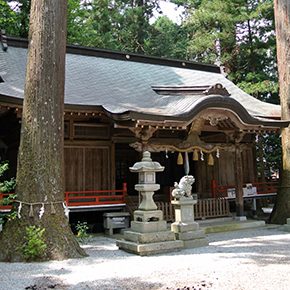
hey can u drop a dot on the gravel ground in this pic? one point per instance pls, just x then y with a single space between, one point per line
248 259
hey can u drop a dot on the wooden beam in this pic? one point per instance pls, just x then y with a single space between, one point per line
143 133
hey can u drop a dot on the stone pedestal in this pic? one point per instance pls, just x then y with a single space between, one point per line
287 226
147 191
184 227
148 234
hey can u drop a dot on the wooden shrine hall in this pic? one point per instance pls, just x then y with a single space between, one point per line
189 115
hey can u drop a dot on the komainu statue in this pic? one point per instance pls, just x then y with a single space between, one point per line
183 188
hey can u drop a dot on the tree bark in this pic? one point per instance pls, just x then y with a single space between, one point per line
239 181
261 158
281 209
40 178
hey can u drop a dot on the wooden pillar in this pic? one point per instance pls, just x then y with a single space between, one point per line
112 159
239 181
144 145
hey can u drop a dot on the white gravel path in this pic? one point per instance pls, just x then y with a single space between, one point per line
249 259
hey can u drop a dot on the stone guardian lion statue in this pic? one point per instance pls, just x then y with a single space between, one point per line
183 188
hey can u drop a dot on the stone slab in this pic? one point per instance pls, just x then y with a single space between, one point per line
191 235
148 227
146 238
151 187
184 227
233 226
190 244
149 249
240 218
185 200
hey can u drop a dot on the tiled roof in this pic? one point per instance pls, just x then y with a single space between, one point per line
120 82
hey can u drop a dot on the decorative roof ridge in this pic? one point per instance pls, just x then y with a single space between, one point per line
205 102
125 56
217 89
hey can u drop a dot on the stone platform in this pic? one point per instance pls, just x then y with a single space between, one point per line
149 235
228 224
185 227
190 234
287 225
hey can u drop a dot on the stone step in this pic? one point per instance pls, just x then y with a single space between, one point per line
196 243
146 238
212 227
148 227
191 235
150 249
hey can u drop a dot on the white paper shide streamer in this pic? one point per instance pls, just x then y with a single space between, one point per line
66 210
41 212
19 210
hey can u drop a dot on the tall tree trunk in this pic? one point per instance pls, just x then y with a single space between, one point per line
261 158
281 210
40 178
239 181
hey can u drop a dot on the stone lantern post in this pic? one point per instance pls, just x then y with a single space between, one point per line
147 171
149 234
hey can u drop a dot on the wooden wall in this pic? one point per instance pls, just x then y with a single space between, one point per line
87 168
223 170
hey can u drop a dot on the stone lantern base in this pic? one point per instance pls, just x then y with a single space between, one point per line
149 235
287 226
185 228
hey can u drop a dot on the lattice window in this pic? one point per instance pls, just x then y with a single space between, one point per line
91 131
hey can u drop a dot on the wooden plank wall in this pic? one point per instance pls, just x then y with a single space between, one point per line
73 164
223 170
87 168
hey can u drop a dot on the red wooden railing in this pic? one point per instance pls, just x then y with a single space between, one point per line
87 198
262 188
2 195
98 197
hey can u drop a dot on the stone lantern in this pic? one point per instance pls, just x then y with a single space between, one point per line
148 234
147 170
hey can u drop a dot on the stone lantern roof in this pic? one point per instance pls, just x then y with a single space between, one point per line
146 164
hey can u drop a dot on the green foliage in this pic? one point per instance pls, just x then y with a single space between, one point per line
82 235
167 39
240 34
118 25
15 17
7 19
35 245
272 152
75 22
7 216
6 186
